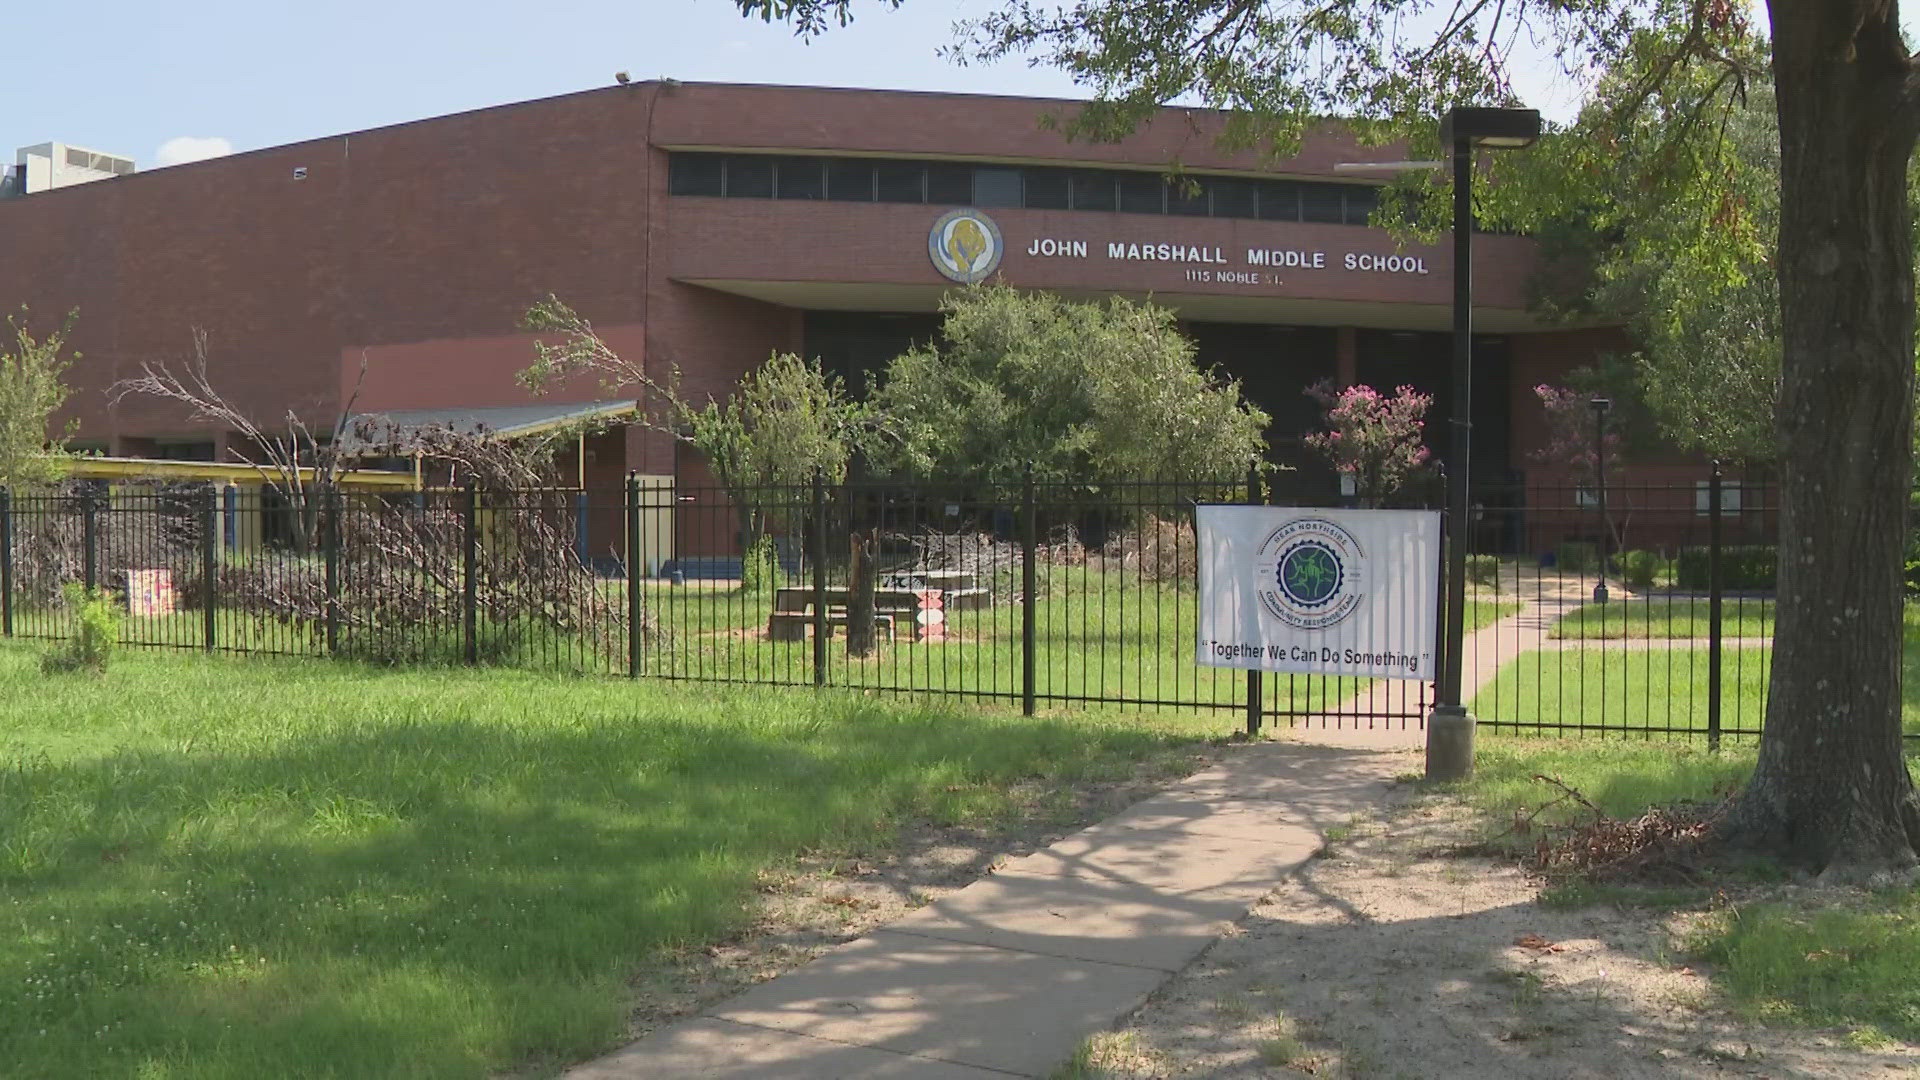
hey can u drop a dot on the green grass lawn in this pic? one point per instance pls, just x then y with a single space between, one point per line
1666 617
1817 958
1616 688
1621 777
221 867
1102 635
1849 966
1626 690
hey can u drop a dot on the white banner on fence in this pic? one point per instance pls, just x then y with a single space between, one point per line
1323 592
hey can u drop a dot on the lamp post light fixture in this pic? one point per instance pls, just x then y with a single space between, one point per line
1450 726
1600 406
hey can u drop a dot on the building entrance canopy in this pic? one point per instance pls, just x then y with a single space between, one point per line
1277 310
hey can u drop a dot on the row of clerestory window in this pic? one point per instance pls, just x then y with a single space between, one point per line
956 183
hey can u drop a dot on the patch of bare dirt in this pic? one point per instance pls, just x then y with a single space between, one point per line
1391 956
830 898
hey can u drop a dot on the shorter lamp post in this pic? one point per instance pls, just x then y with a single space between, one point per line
1600 406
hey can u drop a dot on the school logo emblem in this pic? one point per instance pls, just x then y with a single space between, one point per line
1311 574
965 246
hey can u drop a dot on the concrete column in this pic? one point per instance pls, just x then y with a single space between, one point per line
1346 356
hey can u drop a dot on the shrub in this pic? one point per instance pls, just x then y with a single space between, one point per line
1577 557
1640 569
1749 566
96 630
1484 570
760 566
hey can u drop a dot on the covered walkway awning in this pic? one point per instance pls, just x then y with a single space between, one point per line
374 433
236 473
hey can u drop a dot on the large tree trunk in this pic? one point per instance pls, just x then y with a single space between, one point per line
1831 789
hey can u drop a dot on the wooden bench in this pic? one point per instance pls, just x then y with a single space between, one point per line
794 625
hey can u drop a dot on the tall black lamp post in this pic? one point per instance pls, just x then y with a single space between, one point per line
1600 406
1450 726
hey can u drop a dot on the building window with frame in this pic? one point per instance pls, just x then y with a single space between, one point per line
949 184
1235 198
1141 193
1093 191
1279 201
1322 203
749 177
997 187
802 178
1190 196
900 182
1049 189
697 174
849 180
1361 203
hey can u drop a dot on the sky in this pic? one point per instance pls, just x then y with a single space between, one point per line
165 83
169 82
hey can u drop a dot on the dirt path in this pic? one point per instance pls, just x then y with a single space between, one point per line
1388 958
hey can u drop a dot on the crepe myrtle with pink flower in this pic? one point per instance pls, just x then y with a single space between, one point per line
1373 439
1571 440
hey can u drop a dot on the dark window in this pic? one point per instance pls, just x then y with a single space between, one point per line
1093 191
1279 201
901 181
1322 202
1360 204
850 180
749 177
1141 193
758 176
696 174
183 451
802 178
1234 198
996 187
949 185
1048 189
1187 195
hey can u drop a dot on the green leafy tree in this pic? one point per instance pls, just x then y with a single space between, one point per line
1075 391
31 391
1698 287
786 421
1831 787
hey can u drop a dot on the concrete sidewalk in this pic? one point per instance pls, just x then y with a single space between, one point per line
1007 976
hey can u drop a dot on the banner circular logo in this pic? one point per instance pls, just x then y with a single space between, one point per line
1311 574
965 246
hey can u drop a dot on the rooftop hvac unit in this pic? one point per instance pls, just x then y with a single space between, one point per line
98 162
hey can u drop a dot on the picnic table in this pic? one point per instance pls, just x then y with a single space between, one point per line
896 596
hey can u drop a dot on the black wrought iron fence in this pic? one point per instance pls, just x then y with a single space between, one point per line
1028 593
1656 619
